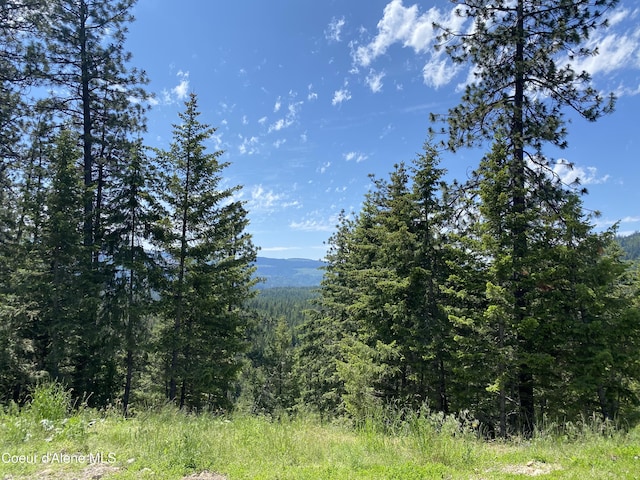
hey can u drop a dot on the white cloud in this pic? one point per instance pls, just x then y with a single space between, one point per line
278 105
279 143
262 199
293 111
265 201
278 125
324 167
404 25
438 71
615 52
245 121
311 95
313 226
408 27
374 80
262 120
317 221
249 145
570 174
340 96
181 90
358 157
335 29
216 138
605 223
178 93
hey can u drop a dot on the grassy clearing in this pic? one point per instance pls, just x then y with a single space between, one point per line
169 444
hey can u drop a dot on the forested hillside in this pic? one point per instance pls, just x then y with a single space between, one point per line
269 382
631 245
128 273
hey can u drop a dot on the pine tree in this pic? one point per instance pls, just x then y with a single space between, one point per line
57 329
327 325
209 274
15 78
399 298
136 269
519 91
381 331
574 289
82 59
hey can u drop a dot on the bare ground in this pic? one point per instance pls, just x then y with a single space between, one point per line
98 472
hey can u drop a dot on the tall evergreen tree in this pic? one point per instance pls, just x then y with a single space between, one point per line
15 78
327 326
209 274
136 269
381 317
86 58
95 91
575 287
520 89
57 329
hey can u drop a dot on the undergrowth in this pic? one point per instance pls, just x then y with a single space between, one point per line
387 443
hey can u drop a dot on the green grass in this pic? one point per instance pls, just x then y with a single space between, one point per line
168 444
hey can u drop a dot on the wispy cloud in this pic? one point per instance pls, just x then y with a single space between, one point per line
334 30
249 145
311 95
404 25
265 201
576 175
617 48
178 93
374 80
410 28
439 71
324 167
293 110
315 222
357 156
182 89
339 96
604 223
407 27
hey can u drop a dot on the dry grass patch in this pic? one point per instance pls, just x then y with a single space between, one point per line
531 469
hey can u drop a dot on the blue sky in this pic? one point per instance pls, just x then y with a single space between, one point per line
309 97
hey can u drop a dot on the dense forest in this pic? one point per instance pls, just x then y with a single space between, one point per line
127 273
123 269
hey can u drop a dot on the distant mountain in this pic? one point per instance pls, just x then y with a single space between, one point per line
289 272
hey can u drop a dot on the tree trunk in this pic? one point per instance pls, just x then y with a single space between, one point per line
86 131
519 228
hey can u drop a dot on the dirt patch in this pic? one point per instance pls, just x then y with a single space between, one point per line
98 472
92 472
205 476
531 469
